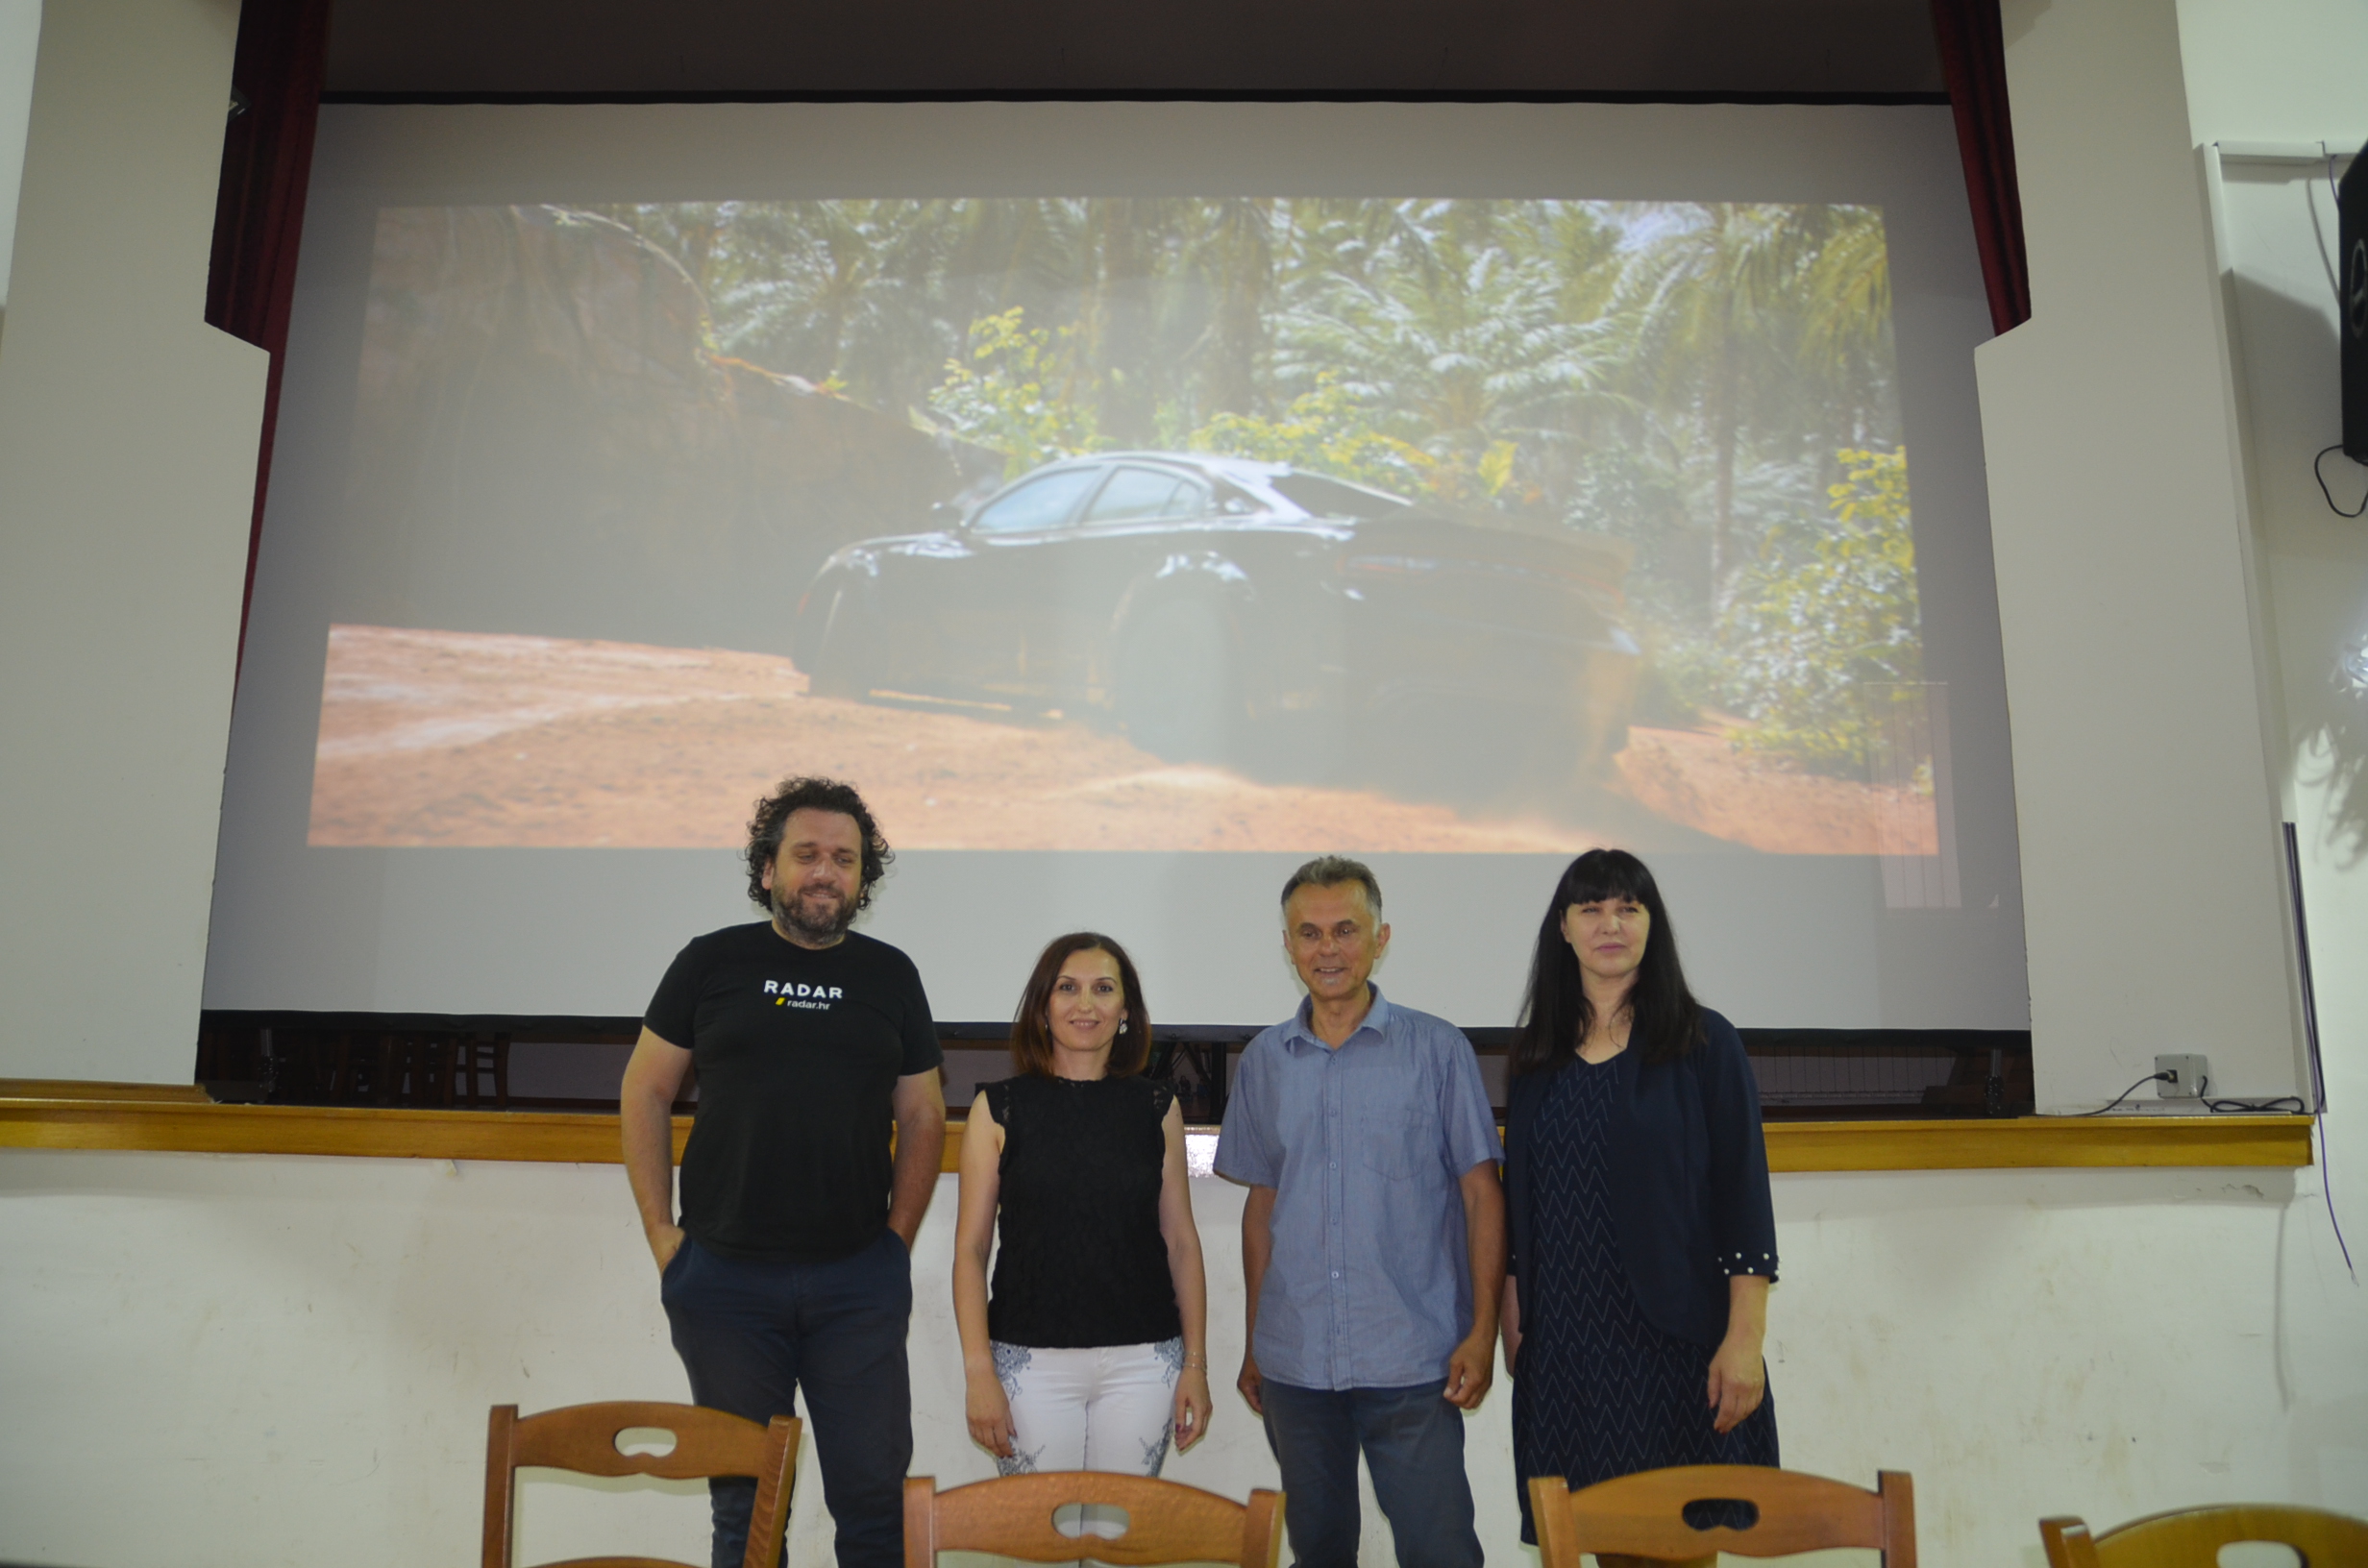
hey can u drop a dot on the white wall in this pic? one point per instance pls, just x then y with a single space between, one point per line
20 37
2142 777
127 434
2253 83
297 1354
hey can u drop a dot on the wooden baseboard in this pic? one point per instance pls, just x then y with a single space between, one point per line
45 1114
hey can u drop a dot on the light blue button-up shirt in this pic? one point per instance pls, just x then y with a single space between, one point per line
1370 1283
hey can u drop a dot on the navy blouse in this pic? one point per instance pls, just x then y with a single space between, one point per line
1690 1179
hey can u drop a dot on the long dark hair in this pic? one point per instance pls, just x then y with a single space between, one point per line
1031 1037
1665 1021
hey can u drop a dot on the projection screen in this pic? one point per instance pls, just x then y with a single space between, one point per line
1133 500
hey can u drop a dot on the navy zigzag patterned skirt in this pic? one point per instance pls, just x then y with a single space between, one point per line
1601 1391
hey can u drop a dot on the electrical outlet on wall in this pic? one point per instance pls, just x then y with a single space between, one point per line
2189 1076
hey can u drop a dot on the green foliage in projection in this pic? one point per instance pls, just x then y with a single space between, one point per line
1694 377
1449 324
1830 610
1327 431
1016 393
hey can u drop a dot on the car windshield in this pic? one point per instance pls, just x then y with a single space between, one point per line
1039 503
1330 497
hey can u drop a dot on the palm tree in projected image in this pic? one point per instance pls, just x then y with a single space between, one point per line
1763 327
874 297
1844 346
1166 299
1696 300
1450 324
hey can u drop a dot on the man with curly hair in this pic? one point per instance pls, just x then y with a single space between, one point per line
791 1264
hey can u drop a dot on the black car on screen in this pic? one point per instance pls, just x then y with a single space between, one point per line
1198 600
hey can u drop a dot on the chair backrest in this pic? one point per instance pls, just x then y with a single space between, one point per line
583 1438
2192 1537
1165 1521
1645 1515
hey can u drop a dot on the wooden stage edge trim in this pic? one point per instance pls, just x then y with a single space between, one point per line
172 1119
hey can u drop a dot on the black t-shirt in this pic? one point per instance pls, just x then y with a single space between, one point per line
798 1053
1082 1262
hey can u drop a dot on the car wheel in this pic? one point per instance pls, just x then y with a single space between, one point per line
846 660
1178 693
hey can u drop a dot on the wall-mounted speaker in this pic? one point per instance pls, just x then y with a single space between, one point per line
2352 232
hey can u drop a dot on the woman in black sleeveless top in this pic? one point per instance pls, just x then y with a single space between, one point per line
1092 1353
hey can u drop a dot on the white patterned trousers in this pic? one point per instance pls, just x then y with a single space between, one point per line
1111 1408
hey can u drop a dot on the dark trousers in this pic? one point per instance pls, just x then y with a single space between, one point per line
751 1334
1413 1441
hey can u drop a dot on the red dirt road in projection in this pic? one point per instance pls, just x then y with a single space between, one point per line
471 739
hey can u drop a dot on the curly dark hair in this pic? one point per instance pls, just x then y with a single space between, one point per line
793 795
1031 1035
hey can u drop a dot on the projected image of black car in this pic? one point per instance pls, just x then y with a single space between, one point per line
1219 608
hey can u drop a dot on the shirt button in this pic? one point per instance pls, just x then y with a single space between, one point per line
1336 1164
1335 1273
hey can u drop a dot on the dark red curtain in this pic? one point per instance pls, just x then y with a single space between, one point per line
260 212
1973 65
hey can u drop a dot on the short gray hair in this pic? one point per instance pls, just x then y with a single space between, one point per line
1330 871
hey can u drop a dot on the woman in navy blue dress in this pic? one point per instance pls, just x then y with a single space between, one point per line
1644 1241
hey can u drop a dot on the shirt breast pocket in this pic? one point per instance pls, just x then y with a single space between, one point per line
1402 1143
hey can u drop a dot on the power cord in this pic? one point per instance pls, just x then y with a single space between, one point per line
2288 1105
2326 1189
2327 1185
2280 1105
2150 1078
2320 475
2334 278
2327 1181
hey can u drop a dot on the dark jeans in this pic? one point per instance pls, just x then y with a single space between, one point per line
1413 1441
750 1334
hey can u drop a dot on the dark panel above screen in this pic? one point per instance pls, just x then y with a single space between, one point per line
1809 46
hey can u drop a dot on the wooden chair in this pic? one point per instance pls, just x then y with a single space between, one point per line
480 1055
1645 1515
583 1438
2192 1537
1165 1521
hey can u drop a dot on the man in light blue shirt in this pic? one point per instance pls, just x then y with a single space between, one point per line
1373 1242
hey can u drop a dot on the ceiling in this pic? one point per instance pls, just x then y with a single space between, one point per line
1777 48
